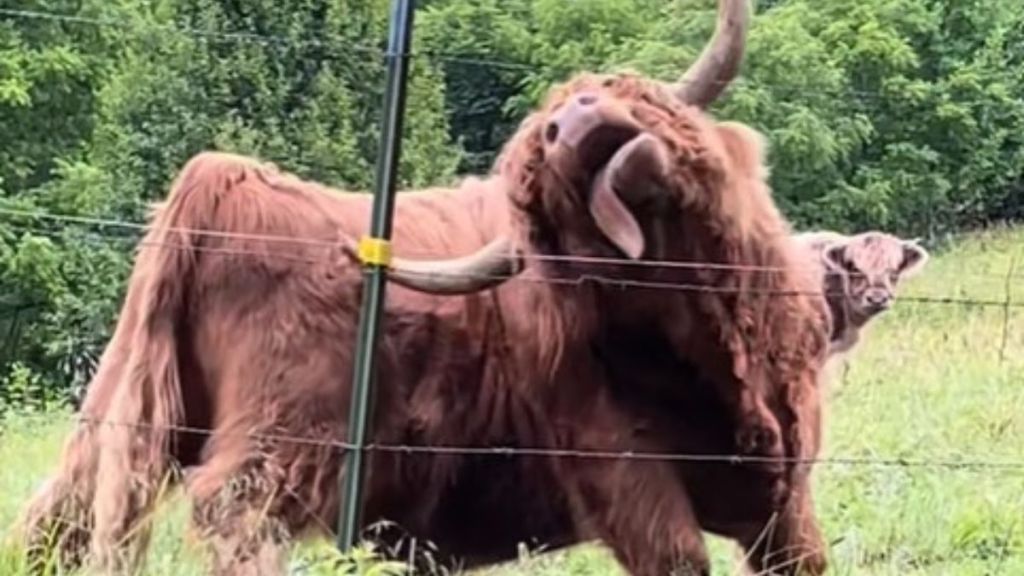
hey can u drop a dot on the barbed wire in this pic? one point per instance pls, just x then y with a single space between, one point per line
945 463
335 244
578 280
517 451
282 41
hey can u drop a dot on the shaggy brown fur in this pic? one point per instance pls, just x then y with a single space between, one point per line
279 311
762 346
253 339
244 337
758 341
860 275
191 295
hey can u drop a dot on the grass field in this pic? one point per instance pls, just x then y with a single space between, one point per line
934 382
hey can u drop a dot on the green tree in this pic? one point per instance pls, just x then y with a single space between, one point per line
49 73
895 114
905 115
483 48
299 83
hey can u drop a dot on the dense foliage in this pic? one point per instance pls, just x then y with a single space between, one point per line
906 115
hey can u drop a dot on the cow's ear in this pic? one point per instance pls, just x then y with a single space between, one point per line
834 255
914 258
747 147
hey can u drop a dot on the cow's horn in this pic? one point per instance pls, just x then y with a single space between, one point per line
489 266
719 63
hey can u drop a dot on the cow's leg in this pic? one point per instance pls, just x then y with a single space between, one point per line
638 507
641 513
59 521
738 385
236 498
262 482
791 542
250 498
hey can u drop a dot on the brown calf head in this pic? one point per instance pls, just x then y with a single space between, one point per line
873 264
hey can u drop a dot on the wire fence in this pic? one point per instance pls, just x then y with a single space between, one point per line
139 228
574 280
105 235
951 462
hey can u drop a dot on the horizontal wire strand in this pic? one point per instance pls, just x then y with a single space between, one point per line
334 244
510 451
585 279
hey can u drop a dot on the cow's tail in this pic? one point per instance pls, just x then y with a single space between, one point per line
57 522
147 409
123 432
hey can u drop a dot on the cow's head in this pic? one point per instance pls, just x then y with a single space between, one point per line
873 264
630 153
618 145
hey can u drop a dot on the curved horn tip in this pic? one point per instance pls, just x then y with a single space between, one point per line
719 62
491 265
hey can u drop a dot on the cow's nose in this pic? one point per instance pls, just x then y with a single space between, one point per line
578 117
878 299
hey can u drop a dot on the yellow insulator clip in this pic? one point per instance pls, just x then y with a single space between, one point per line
375 251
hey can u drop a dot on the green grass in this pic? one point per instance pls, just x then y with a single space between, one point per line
929 384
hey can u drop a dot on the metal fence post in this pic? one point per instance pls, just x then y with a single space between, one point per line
375 251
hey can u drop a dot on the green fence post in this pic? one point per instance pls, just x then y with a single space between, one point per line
374 275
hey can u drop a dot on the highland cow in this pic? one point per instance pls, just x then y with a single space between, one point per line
252 338
860 276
